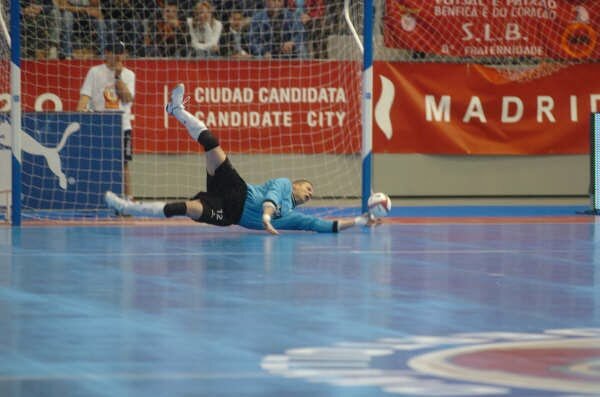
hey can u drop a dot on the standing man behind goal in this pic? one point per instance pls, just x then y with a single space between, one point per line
111 87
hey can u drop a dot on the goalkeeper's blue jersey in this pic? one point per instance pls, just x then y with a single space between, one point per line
279 192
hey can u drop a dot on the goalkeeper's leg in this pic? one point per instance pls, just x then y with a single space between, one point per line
215 156
154 209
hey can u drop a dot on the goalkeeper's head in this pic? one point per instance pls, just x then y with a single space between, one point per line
302 190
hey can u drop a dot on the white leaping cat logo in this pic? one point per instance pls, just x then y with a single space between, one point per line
33 147
384 107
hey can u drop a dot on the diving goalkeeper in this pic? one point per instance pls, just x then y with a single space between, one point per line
228 199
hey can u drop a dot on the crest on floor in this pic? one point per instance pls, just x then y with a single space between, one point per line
558 362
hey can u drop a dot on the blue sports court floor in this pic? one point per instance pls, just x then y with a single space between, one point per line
440 301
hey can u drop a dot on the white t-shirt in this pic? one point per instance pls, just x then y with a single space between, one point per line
99 85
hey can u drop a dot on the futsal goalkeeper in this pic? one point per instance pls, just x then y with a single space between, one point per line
229 199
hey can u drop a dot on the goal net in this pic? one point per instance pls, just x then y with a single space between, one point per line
284 103
515 40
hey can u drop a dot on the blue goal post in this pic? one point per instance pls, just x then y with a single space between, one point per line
15 110
367 105
365 44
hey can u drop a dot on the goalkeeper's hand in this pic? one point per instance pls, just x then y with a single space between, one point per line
364 220
268 211
267 224
367 219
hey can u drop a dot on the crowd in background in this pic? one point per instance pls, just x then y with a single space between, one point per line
81 29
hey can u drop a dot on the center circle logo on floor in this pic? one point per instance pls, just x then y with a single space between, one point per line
556 362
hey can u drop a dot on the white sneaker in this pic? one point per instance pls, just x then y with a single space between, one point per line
115 202
177 100
123 207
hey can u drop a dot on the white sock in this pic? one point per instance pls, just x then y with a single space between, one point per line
153 209
194 126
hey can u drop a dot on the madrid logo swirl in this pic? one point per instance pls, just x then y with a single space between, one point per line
383 108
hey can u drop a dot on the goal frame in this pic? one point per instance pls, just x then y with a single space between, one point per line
366 48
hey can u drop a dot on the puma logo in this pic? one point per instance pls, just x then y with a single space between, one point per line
33 147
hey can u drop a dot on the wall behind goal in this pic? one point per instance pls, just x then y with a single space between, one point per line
403 175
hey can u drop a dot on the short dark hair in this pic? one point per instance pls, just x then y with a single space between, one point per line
116 47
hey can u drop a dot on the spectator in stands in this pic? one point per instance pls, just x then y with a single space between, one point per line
335 20
205 31
111 87
40 29
275 32
312 15
234 41
168 36
83 29
124 21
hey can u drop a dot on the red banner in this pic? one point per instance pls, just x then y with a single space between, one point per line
293 107
557 29
473 110
287 107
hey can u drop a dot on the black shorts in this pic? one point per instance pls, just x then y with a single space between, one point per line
223 202
127 146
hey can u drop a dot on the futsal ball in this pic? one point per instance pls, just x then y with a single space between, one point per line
379 204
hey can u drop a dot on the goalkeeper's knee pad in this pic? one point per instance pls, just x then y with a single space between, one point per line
208 140
175 209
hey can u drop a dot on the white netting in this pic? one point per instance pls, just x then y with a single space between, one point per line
522 40
290 107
